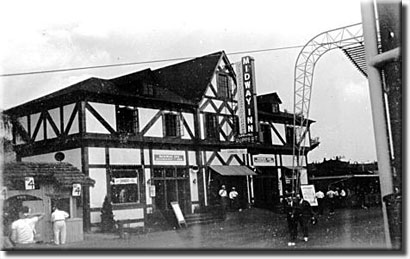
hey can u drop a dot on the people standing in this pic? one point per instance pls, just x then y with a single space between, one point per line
320 198
223 194
304 215
233 197
23 230
58 218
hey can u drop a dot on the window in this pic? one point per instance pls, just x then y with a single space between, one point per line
125 186
223 85
127 120
266 134
172 125
275 107
147 89
289 135
211 126
235 121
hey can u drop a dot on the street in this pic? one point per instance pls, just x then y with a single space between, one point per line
352 229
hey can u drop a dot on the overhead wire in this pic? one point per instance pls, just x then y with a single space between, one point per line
136 63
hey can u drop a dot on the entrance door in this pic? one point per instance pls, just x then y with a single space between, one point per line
171 184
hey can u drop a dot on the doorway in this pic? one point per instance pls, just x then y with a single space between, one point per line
171 184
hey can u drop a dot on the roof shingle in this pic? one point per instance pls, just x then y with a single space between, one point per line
63 174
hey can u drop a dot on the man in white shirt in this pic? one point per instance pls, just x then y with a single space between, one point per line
58 218
223 193
233 196
319 197
23 230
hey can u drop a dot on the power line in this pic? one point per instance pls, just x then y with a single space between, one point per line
135 63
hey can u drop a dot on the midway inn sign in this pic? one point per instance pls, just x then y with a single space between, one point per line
170 135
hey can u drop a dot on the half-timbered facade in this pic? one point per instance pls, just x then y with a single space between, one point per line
157 136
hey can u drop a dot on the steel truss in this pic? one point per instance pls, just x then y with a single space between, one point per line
304 68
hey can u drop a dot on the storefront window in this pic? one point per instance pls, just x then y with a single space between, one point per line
125 186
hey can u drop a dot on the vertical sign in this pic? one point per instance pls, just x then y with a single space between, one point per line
241 99
308 193
247 106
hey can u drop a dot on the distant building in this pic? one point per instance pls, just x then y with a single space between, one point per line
153 137
355 178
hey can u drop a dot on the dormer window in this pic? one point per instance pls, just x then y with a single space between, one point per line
148 89
275 107
223 85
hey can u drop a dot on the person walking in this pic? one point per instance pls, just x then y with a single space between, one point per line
291 219
320 198
233 196
58 217
23 230
330 194
223 194
304 215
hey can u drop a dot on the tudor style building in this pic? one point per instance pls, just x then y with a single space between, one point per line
156 136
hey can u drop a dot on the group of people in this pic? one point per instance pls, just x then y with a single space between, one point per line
298 212
334 197
229 200
23 230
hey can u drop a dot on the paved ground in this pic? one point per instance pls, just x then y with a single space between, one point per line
252 229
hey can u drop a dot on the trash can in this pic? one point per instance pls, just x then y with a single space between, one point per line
394 216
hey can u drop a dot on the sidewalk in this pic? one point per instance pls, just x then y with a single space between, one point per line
250 229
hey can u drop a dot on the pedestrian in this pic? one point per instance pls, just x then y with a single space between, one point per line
233 196
223 194
330 194
304 215
288 203
23 230
58 217
362 198
320 198
343 196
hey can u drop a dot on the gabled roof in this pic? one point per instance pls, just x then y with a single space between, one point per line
189 79
269 98
63 174
182 83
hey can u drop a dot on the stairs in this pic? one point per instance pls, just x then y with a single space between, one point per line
202 218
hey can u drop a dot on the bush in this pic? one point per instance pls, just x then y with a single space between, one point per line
107 217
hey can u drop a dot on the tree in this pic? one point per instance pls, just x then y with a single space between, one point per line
107 217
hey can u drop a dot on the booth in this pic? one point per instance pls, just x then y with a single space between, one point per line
39 186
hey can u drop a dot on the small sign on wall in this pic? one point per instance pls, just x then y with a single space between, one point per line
29 183
152 191
76 189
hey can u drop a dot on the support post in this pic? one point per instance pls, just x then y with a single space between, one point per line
378 109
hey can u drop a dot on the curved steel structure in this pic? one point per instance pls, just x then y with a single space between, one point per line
304 68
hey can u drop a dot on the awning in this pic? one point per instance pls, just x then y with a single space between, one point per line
232 170
64 174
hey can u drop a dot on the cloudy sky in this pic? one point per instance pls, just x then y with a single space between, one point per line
47 35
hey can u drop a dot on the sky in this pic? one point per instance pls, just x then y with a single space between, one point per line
47 35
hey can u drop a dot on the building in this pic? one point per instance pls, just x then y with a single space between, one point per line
158 136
